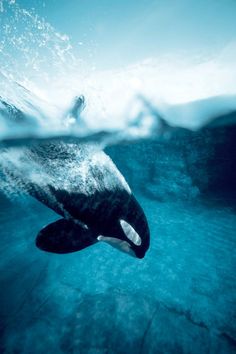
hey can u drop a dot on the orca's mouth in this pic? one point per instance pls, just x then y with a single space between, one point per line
121 245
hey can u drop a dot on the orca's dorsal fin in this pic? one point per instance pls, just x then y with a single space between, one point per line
64 236
78 106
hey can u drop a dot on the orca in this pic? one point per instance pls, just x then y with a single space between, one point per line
114 217
83 186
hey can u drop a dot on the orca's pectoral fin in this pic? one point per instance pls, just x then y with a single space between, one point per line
64 236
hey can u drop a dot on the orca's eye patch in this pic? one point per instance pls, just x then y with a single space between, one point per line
130 233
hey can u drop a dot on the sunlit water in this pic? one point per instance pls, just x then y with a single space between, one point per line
181 298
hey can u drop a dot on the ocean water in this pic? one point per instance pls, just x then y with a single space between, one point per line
179 159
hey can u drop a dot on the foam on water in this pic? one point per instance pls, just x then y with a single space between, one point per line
40 76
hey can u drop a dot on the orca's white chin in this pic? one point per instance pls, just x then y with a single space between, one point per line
121 245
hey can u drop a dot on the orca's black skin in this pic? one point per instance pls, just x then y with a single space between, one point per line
101 212
86 216
64 236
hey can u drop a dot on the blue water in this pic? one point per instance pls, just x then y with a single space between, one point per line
176 148
180 298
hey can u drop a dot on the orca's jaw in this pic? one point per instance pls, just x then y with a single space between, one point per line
129 242
121 245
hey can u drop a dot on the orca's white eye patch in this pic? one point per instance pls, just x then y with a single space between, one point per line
130 233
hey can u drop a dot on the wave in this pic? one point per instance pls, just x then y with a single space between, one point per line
193 152
26 119
43 83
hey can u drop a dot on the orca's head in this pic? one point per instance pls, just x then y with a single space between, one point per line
129 232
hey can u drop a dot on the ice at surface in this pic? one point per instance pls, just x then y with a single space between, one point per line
180 298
